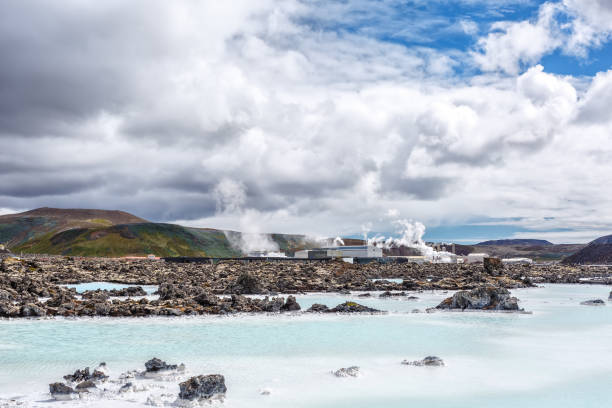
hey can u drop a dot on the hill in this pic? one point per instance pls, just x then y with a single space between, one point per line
16 229
79 232
598 251
132 239
539 253
506 242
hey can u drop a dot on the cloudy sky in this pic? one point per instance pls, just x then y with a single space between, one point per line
480 118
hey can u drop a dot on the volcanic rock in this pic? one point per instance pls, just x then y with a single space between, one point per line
84 375
429 361
155 365
290 305
347 372
493 266
352 307
59 299
32 310
168 291
318 308
247 284
593 302
61 391
129 291
391 294
7 309
5 295
206 299
202 387
483 298
85 385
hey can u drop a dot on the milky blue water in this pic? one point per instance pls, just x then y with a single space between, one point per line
82 287
394 280
559 356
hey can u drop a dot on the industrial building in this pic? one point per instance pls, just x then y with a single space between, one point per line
519 261
357 251
476 258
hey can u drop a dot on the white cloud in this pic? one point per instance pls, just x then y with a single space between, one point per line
572 26
595 106
265 123
592 25
509 45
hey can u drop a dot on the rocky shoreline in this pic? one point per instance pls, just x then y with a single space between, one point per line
32 287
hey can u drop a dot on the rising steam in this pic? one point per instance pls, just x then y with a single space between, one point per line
411 236
231 199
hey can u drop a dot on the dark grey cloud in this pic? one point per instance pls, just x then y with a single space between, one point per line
420 188
49 185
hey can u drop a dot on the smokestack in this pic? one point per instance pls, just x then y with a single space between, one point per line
453 248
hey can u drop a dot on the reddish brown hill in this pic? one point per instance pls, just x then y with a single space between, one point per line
68 215
18 228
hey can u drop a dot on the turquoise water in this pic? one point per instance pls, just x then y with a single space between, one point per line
559 356
82 287
394 280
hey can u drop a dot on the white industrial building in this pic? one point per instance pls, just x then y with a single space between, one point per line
476 258
357 251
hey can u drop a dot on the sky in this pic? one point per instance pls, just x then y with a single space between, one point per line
482 119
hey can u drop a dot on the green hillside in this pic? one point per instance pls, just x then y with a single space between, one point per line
79 232
132 239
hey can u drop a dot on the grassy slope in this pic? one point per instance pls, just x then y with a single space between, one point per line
132 239
21 230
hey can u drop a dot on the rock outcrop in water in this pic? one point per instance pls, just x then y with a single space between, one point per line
429 361
352 371
155 365
202 387
61 392
352 307
79 382
103 294
486 298
291 305
593 302
346 307
84 375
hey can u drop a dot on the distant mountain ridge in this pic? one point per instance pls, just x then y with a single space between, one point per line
607 239
530 242
108 233
598 251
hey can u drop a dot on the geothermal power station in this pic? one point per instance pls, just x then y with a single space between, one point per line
429 253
